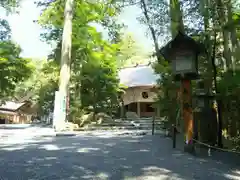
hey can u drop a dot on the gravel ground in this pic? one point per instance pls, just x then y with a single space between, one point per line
24 155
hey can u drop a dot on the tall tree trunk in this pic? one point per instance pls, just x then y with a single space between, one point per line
66 48
64 78
210 43
205 4
222 16
219 102
176 17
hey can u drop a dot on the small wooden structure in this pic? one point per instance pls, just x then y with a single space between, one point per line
17 112
140 92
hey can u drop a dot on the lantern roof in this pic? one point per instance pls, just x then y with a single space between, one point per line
177 41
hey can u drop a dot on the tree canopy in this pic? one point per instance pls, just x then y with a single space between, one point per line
14 69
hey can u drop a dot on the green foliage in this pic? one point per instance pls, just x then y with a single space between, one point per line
13 68
99 83
49 85
41 86
5 30
235 21
85 15
10 5
46 97
229 84
229 88
168 90
130 53
94 80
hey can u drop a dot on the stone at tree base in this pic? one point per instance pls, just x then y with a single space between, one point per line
103 118
86 118
71 126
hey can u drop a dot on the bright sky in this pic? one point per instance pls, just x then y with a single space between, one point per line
26 33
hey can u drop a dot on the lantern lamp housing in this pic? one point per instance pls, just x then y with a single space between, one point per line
182 52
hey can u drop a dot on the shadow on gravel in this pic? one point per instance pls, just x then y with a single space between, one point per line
106 157
224 157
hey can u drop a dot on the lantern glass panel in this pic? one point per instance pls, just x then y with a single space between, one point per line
183 63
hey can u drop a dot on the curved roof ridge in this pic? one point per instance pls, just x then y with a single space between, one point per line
142 75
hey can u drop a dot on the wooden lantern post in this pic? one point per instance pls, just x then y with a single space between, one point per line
182 52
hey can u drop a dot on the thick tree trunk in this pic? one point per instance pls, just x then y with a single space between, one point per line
64 78
66 48
225 35
176 26
209 75
176 17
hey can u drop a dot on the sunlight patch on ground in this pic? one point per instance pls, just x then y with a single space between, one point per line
237 172
143 150
234 175
49 147
116 133
105 135
103 176
50 158
133 140
110 144
14 148
36 159
91 175
87 150
16 140
75 144
152 172
154 168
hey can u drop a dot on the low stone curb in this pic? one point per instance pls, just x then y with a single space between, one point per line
61 134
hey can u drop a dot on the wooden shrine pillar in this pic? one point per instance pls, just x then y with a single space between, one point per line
187 111
139 109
